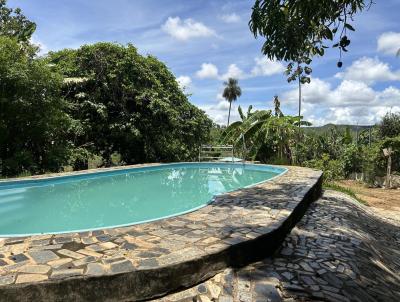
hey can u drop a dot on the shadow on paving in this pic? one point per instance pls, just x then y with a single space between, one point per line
337 252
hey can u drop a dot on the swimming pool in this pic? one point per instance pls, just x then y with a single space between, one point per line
121 197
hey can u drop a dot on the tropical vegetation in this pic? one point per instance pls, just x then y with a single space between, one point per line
60 111
296 30
106 104
275 138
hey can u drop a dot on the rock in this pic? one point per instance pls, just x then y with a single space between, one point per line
267 292
286 251
204 298
42 257
95 269
35 269
84 261
59 262
19 258
287 275
121 266
65 273
214 290
70 254
8 279
202 289
29 278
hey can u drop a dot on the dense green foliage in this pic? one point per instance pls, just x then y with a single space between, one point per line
390 125
339 152
102 100
33 124
14 24
130 104
297 30
266 137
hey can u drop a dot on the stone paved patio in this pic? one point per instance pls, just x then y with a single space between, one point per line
151 259
340 251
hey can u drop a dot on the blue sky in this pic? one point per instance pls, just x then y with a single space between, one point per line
205 41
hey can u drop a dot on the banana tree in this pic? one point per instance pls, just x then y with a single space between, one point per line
263 130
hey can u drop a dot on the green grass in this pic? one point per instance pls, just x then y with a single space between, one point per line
339 188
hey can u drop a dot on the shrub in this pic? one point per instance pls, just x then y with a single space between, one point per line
333 169
352 159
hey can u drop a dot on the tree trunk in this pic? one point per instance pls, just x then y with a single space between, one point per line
229 114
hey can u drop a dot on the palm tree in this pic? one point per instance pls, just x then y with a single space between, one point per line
231 92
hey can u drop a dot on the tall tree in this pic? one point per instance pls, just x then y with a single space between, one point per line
127 103
297 30
14 24
390 125
231 92
33 124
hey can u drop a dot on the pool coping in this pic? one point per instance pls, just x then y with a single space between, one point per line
152 259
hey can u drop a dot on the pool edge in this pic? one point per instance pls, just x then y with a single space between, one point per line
150 283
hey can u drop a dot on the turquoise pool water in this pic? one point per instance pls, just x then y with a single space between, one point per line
117 198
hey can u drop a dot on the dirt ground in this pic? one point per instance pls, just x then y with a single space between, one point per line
384 202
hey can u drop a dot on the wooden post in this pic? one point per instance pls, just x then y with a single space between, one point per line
389 169
388 153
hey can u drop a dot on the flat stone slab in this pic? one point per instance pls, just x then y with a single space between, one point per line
148 260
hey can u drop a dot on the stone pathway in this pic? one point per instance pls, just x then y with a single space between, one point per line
339 251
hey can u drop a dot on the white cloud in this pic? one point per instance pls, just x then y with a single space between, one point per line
352 115
186 29
233 72
43 49
219 112
207 71
262 67
266 67
230 18
210 71
351 102
389 43
184 82
314 93
352 93
369 70
223 105
220 97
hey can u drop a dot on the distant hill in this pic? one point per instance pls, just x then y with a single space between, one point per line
326 128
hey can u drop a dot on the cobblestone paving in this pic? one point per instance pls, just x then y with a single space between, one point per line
232 218
338 252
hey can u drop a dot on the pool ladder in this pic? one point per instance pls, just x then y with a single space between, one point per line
216 153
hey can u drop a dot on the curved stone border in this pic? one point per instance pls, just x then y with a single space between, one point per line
152 259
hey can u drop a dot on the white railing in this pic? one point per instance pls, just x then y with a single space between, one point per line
215 153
